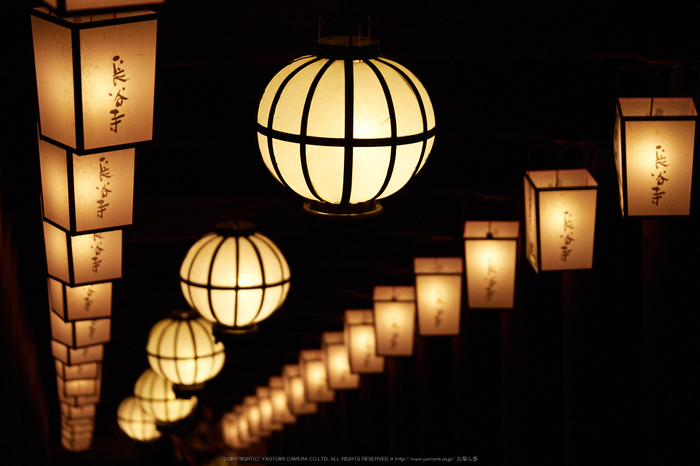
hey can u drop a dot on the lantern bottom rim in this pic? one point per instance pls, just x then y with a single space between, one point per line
343 212
225 330
187 391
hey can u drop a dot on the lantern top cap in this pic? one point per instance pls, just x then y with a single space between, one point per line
394 293
332 338
657 107
437 265
178 314
310 355
491 229
235 228
347 41
562 179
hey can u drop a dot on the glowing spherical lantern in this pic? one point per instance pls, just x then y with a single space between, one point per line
182 349
654 148
394 319
314 375
560 213
491 258
135 422
438 294
345 127
337 361
235 277
158 399
361 339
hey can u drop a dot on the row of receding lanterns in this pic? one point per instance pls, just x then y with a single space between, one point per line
342 129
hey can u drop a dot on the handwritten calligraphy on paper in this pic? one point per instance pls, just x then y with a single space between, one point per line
490 278
659 164
103 190
97 250
118 79
88 302
568 235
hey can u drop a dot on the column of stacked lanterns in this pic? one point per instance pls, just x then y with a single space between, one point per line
95 74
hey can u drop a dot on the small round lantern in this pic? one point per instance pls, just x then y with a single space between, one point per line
235 277
345 127
158 399
182 349
135 422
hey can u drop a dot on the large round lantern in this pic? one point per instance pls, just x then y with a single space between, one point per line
135 422
235 277
345 127
158 399
182 349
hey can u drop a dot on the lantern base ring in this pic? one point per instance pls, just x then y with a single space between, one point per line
223 329
187 391
343 212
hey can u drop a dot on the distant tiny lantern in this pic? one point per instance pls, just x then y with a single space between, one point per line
229 431
337 360
438 294
267 422
278 397
346 127
294 389
314 375
182 349
235 277
244 432
135 422
80 333
491 258
252 411
78 392
394 319
76 434
158 399
560 212
654 149
362 342
95 78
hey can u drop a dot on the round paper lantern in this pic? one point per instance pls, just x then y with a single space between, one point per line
135 422
235 277
182 349
345 127
158 399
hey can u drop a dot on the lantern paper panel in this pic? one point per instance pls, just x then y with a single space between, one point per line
266 410
491 258
229 431
280 410
80 302
79 392
394 319
438 294
76 444
81 333
157 398
294 390
560 213
69 355
77 425
95 78
361 339
63 7
81 259
244 432
78 412
654 148
89 192
135 422
315 377
337 360
88 370
251 406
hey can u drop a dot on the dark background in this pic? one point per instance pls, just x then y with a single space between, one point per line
591 367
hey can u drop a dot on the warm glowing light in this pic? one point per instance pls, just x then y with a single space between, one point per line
229 431
79 392
158 399
278 396
81 302
135 422
560 212
69 355
267 422
235 277
294 390
244 432
337 361
491 258
80 333
362 342
313 373
438 294
251 405
394 319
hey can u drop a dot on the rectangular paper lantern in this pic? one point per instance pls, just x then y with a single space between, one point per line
560 212
362 342
88 370
95 78
280 410
81 259
315 377
394 319
77 425
80 302
438 294
654 148
265 404
80 333
63 7
251 407
491 259
294 389
86 193
68 355
337 360
77 412
79 392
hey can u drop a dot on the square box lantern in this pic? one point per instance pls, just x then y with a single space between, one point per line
75 392
80 333
95 78
361 340
654 147
280 410
491 260
86 193
72 303
78 412
438 294
66 7
68 355
294 389
394 319
82 259
337 360
560 211
315 376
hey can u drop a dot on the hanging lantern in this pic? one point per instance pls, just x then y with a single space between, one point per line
89 192
294 390
346 127
314 376
64 7
280 410
79 392
78 379
244 432
229 431
394 319
438 294
68 355
654 149
77 412
135 422
491 258
560 209
266 410
82 259
80 333
81 302
337 361
235 277
182 349
362 342
158 399
252 411
95 78
76 441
